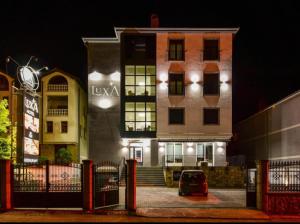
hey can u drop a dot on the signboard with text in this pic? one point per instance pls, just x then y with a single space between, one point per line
31 128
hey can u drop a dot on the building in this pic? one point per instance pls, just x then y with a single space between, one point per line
271 134
162 96
63 114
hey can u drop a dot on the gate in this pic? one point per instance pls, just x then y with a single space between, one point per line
47 185
106 184
251 187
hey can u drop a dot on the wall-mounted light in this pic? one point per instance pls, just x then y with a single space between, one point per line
190 144
161 149
195 79
220 144
190 149
163 77
163 85
95 76
124 149
161 144
224 82
125 142
224 86
105 103
220 150
115 76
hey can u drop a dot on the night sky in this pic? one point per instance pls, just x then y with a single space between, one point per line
265 55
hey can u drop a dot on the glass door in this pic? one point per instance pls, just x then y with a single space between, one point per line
137 154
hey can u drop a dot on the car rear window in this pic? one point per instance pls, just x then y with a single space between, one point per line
193 177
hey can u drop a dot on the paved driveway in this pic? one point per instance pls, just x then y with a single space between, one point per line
163 197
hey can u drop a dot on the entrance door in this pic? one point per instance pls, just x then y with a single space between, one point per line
251 187
137 154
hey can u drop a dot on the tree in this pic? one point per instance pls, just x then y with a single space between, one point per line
5 138
64 156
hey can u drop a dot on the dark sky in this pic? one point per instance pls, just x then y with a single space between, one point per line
266 48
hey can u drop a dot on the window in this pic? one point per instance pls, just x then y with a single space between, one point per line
64 127
174 153
211 116
211 84
176 50
176 84
176 115
205 152
140 116
211 50
140 80
49 126
3 83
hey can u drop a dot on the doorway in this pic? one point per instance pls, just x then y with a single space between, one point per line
137 154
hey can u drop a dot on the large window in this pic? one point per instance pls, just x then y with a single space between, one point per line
140 80
176 84
211 84
176 115
140 116
205 152
211 116
176 50
64 127
211 50
174 153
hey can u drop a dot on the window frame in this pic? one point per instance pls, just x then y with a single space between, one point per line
219 52
174 154
176 108
205 74
176 42
176 81
61 127
211 108
47 130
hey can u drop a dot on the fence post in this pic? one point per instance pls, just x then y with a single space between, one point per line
131 186
88 191
265 184
47 176
5 184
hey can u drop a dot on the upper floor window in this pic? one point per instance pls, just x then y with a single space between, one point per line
176 50
64 127
140 80
211 84
176 84
49 126
211 50
3 83
176 115
211 116
140 116
58 83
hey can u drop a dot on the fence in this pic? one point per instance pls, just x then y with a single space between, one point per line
284 176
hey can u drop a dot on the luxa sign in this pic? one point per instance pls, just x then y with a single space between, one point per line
28 78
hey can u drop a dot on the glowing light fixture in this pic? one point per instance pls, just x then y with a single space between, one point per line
190 149
190 144
224 86
220 144
161 144
105 103
224 78
195 87
164 85
124 149
220 150
195 78
125 142
163 77
161 149
95 76
115 76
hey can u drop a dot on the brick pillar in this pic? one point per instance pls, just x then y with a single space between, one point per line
258 185
88 191
131 186
5 184
265 184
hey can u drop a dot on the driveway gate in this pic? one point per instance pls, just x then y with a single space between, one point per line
251 187
47 185
106 184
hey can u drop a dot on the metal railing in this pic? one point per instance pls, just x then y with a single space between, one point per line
47 177
183 160
57 112
284 176
57 87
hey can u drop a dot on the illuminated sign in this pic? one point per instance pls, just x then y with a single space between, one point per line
31 128
28 77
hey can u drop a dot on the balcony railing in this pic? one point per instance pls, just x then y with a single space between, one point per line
58 87
57 112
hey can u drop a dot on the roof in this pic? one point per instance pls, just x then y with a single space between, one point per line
118 30
65 73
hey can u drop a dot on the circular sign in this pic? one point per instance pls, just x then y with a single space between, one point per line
28 77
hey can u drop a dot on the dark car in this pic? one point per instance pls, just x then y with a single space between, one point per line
192 181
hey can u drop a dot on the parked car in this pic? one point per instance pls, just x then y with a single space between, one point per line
193 181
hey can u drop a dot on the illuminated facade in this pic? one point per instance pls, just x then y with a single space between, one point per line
173 102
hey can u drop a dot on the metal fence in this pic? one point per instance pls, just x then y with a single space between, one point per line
47 177
284 176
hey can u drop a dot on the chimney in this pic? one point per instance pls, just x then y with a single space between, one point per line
154 21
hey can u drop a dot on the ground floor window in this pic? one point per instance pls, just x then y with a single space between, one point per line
205 152
174 153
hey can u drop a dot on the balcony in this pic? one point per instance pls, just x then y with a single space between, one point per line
57 112
57 88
